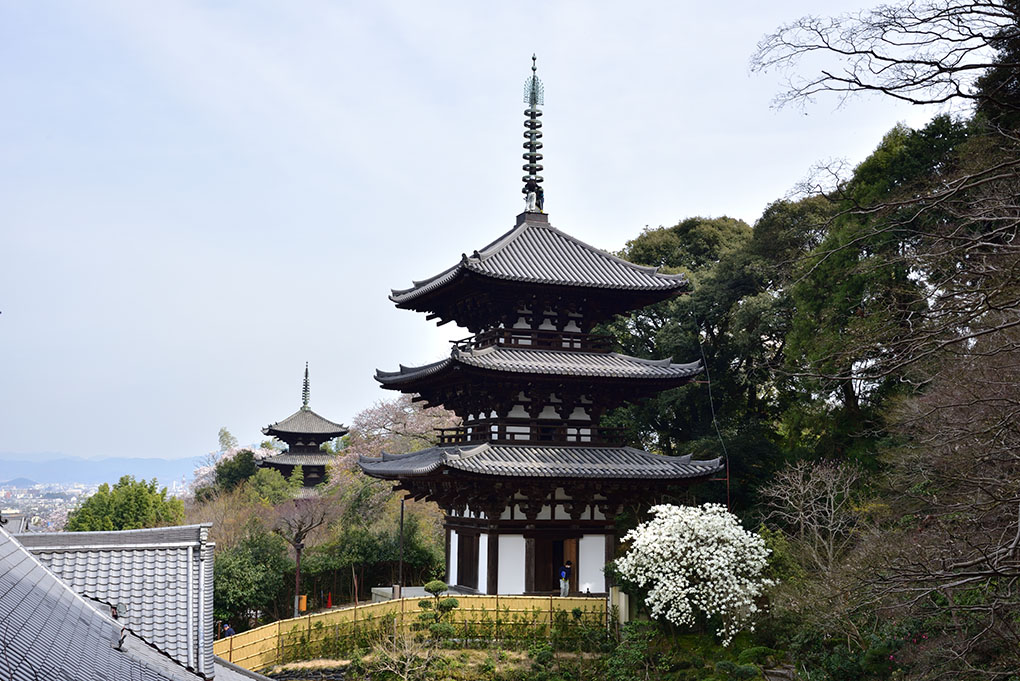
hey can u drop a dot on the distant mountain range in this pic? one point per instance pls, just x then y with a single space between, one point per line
18 482
93 471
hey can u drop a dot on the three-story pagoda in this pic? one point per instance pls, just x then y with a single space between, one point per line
304 432
531 479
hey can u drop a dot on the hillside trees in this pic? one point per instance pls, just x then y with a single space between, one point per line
250 577
345 529
939 226
130 504
737 319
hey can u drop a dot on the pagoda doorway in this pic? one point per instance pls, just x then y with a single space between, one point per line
550 556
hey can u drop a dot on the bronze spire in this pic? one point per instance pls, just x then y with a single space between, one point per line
534 97
305 391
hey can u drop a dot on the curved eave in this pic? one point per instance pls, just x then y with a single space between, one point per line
418 298
592 267
503 361
329 434
408 374
305 422
527 461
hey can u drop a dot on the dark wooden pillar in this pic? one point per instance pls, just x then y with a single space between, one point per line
529 564
492 557
610 551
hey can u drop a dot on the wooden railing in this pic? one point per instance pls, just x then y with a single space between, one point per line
531 431
534 339
325 634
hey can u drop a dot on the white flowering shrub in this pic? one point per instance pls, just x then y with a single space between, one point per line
697 559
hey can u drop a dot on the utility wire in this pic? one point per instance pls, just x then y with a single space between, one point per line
715 422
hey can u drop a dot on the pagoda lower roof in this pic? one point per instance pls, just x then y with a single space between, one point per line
305 422
288 459
535 252
527 461
546 362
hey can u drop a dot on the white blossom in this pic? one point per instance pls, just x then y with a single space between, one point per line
697 559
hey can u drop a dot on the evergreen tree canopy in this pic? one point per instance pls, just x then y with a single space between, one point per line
131 504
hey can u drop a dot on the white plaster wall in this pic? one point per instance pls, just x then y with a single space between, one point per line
545 513
591 558
483 562
511 564
518 412
453 558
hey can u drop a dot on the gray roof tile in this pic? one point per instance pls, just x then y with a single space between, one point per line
145 574
299 459
50 632
305 421
535 252
532 461
553 362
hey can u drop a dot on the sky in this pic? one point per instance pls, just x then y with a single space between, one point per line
196 198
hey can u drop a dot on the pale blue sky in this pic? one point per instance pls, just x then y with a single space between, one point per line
198 197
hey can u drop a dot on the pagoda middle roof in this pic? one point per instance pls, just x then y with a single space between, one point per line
535 252
551 362
540 461
305 422
299 459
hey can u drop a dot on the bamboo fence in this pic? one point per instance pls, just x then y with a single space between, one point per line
477 617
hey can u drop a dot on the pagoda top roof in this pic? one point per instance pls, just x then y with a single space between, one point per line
540 461
305 422
535 252
551 362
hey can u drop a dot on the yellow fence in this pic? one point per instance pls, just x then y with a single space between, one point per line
489 617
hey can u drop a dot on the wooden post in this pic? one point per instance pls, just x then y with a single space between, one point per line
492 557
230 653
529 565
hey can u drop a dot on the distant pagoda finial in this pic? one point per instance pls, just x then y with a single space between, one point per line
534 97
305 391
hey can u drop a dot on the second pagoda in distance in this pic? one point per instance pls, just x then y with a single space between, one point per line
304 431
531 479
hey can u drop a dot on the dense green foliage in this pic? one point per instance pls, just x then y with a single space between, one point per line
250 577
232 471
131 504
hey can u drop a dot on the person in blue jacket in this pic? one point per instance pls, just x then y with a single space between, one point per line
565 578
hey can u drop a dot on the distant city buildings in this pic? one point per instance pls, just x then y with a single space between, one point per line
46 505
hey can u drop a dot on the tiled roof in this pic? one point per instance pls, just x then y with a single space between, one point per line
298 459
549 462
48 631
305 421
554 362
145 573
537 253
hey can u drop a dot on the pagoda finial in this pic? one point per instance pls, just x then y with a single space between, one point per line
305 391
534 97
